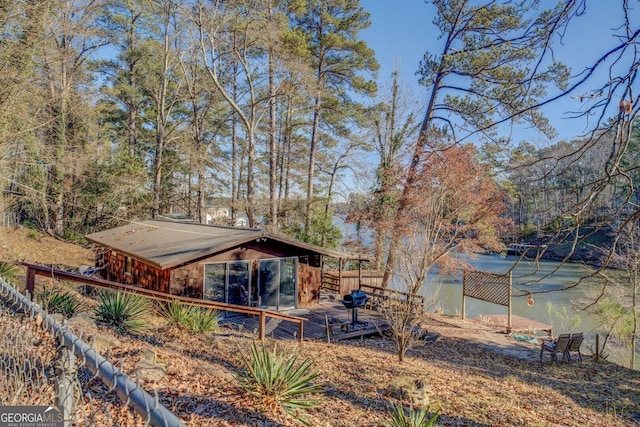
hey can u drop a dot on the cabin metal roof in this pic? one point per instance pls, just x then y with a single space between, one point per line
167 244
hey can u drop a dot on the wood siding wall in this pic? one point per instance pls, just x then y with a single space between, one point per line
141 274
188 280
309 284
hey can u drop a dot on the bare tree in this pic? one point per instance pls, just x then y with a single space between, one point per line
230 35
457 206
618 301
393 123
491 68
70 37
406 313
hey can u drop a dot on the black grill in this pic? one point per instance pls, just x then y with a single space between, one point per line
352 301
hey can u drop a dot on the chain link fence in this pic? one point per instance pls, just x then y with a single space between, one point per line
43 363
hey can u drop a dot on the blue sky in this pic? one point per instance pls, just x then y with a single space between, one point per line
402 30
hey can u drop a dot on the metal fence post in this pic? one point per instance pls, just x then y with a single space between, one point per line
66 370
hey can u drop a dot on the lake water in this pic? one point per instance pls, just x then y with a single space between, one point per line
561 309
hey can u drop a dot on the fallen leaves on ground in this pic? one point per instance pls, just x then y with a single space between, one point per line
471 386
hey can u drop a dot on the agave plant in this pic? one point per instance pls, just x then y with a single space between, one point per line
8 272
278 381
127 312
193 319
61 301
411 418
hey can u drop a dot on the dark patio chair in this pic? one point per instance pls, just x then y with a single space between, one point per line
574 345
560 345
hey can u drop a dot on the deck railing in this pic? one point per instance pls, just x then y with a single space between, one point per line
34 269
348 280
330 282
378 294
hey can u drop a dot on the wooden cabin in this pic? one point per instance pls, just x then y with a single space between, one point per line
226 264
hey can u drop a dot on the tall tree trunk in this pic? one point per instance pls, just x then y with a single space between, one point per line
157 168
312 163
131 103
251 153
273 151
285 161
408 190
235 173
133 114
59 166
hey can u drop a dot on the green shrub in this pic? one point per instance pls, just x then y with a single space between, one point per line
9 272
74 237
33 234
193 319
411 418
60 301
127 312
279 382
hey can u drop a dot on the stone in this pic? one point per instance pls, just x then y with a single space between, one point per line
416 390
81 320
148 369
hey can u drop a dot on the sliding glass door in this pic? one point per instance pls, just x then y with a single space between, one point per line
228 282
277 283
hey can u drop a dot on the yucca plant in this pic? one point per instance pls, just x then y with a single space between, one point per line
279 382
411 418
193 319
173 312
56 300
127 312
8 272
202 320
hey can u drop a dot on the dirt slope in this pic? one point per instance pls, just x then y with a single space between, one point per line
22 244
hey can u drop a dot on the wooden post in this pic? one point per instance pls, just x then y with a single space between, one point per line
509 304
263 325
31 282
464 283
340 276
300 330
359 273
326 322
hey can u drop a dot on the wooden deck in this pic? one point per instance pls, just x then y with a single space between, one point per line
315 327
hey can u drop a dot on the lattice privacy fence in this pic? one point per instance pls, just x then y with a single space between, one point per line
42 363
489 287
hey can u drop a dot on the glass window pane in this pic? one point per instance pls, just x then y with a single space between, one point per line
287 283
214 282
239 283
